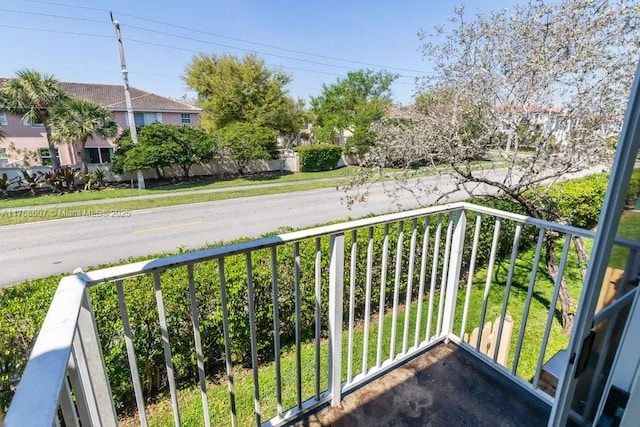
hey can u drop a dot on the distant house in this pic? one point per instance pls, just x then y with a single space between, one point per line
29 144
547 121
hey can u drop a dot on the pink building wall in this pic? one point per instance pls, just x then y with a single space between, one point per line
33 138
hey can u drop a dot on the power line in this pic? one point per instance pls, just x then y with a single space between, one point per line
240 48
235 38
173 47
186 38
49 15
56 31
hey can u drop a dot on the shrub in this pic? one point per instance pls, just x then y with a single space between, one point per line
634 189
319 157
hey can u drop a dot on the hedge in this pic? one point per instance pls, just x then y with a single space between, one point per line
23 307
318 157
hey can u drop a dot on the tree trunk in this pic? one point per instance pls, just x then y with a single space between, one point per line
581 252
567 310
55 162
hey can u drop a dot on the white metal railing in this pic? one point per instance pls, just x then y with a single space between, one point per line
403 282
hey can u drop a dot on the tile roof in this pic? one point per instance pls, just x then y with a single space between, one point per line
112 97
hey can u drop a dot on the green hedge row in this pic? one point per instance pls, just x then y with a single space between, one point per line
23 307
318 157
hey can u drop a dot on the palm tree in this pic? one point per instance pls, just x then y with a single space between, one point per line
32 96
77 120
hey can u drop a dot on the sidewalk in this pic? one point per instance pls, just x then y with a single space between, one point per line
176 193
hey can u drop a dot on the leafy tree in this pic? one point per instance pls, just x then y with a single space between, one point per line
241 90
162 145
32 96
353 103
543 85
77 120
247 141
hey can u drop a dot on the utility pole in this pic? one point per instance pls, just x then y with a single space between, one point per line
127 95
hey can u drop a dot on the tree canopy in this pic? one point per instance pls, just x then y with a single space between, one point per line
163 145
77 120
241 90
247 141
32 96
353 103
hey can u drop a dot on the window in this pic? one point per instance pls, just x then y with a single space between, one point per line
142 119
3 119
26 122
185 118
98 155
45 156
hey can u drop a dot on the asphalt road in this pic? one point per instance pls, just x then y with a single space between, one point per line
89 239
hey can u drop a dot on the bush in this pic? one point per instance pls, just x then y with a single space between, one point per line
319 157
634 189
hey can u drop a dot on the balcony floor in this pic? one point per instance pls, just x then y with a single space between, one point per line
446 386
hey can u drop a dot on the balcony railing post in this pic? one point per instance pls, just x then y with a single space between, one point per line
91 369
453 278
336 292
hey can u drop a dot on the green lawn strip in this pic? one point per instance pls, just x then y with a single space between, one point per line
190 401
629 228
121 208
114 193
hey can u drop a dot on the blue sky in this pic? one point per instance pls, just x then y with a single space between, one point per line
316 42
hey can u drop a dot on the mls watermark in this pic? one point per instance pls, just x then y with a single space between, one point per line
66 213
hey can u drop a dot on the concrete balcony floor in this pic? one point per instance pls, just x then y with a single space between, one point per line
446 386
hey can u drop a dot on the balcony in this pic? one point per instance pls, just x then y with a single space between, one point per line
339 323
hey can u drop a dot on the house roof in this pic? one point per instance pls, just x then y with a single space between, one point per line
112 97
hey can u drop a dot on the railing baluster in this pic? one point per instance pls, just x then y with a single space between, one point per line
396 291
131 354
296 279
450 293
507 290
367 303
552 309
383 287
423 273
164 331
336 293
472 266
67 407
408 299
487 285
352 303
82 400
93 373
227 342
254 344
527 304
276 327
318 320
195 319
445 273
434 276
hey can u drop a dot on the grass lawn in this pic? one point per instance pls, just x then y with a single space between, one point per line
629 228
115 193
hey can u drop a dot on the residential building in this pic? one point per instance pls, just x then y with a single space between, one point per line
25 143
